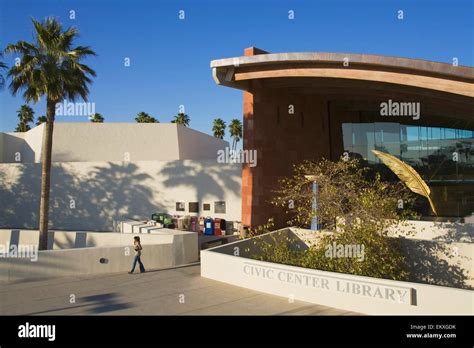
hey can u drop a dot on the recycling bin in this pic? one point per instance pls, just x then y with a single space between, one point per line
229 228
219 226
158 217
184 222
209 226
193 225
162 218
201 224
174 221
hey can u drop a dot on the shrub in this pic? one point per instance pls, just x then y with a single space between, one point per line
356 206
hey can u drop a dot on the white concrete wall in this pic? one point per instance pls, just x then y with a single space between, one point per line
443 256
2 147
34 139
439 231
193 145
89 142
90 195
86 261
328 288
14 146
168 249
87 239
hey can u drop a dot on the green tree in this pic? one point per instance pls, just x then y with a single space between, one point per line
26 115
50 67
235 130
218 128
97 118
143 117
354 207
41 119
181 119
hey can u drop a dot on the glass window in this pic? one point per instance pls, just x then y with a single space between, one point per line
449 133
431 151
180 206
219 207
193 207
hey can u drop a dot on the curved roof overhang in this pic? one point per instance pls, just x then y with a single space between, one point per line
321 70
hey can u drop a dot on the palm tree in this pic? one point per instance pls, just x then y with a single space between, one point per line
97 118
2 67
181 119
50 67
41 119
143 117
26 115
218 128
235 130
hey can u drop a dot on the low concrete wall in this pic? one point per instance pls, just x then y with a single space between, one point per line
85 239
167 249
436 231
350 292
437 256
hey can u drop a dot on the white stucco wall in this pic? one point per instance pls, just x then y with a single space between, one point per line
91 195
89 142
15 148
167 249
193 145
345 291
432 230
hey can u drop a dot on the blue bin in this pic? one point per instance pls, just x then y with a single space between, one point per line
208 226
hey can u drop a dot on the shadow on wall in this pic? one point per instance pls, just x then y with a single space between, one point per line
455 232
207 181
72 241
428 263
17 146
78 201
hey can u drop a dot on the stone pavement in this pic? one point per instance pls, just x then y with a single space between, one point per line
177 291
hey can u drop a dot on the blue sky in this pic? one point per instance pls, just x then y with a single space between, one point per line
170 57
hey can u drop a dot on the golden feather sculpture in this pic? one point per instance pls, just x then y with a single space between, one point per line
408 175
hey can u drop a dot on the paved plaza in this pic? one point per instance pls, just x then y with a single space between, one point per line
178 291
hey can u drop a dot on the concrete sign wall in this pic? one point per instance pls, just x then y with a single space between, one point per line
350 292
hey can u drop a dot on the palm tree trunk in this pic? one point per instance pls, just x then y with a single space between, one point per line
46 153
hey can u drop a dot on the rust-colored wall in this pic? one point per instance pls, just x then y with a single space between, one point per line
281 140
314 131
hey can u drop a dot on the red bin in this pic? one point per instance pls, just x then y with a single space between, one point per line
219 226
193 226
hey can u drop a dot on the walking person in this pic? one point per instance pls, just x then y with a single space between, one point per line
138 253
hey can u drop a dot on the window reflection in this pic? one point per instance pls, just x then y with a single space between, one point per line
444 157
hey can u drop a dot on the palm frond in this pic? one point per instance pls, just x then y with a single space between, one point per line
49 65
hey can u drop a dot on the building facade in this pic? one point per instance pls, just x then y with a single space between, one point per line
308 106
107 172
